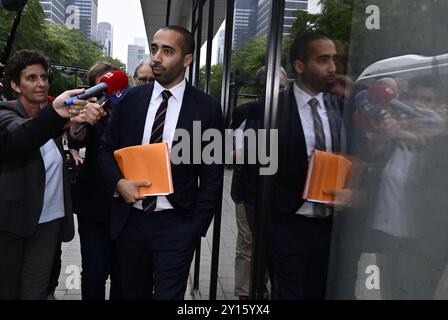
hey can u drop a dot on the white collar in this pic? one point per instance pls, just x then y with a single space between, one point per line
304 97
177 91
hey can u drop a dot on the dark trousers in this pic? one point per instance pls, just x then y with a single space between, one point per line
299 250
155 252
55 270
99 260
26 263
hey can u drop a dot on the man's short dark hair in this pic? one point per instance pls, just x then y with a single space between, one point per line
187 44
300 48
22 59
99 69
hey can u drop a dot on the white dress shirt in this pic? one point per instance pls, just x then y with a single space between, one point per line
172 115
306 117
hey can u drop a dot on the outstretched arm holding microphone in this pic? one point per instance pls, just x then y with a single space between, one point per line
23 136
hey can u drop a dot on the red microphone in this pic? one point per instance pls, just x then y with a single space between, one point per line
110 83
380 94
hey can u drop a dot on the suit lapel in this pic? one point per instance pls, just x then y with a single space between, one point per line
295 124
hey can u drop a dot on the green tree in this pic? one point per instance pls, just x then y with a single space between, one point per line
215 80
247 59
60 44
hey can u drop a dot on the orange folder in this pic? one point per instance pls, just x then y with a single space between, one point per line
326 171
148 162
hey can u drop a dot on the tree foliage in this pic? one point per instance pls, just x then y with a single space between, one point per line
61 45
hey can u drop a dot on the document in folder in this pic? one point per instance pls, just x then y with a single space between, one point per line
148 162
326 171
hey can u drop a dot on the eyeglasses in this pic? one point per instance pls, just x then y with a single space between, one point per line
145 80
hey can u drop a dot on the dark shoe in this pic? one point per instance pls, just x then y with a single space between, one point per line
244 298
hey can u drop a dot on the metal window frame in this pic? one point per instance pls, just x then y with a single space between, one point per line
271 121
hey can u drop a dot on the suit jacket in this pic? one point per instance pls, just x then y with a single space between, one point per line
245 177
22 171
91 197
293 159
126 128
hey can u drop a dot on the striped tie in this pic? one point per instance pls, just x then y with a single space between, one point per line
149 204
319 144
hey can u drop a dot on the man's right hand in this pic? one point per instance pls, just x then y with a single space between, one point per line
128 189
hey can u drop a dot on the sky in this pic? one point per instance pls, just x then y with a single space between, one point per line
313 6
127 20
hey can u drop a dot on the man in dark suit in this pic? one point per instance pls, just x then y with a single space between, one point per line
156 236
310 119
35 205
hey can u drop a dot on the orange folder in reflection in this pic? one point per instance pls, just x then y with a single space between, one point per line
148 162
326 171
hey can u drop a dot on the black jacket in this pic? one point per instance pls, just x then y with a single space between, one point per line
91 197
22 171
293 159
126 128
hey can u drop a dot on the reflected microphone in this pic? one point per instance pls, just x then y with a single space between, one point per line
380 94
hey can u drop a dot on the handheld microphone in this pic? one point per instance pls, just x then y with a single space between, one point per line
110 83
364 106
114 99
380 94
102 102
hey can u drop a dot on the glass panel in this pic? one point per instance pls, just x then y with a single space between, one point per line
391 241
203 49
310 117
240 194
216 81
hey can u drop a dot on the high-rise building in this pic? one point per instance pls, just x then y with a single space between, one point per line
88 12
142 42
264 14
106 37
135 54
245 21
220 47
54 10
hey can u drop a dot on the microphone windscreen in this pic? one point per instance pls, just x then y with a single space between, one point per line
116 81
380 94
13 5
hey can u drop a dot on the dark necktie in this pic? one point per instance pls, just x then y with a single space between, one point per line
319 144
149 204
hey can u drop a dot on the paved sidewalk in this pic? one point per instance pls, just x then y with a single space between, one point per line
69 285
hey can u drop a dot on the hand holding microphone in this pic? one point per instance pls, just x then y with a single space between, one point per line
383 95
93 116
111 83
